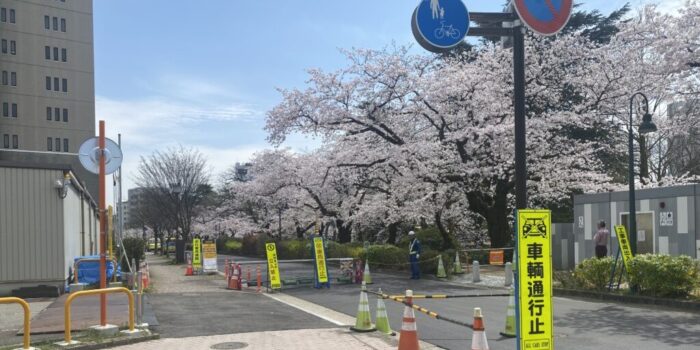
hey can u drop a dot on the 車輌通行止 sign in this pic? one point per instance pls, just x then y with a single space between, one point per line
545 17
439 25
273 266
209 255
320 255
624 243
535 280
196 253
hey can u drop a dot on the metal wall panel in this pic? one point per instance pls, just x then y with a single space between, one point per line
31 225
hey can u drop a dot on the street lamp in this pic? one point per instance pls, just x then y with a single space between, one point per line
646 127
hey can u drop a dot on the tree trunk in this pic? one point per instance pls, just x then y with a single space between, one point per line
447 240
344 232
392 229
495 211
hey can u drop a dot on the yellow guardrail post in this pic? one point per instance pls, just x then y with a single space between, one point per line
66 313
27 315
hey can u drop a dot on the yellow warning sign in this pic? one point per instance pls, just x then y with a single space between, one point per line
196 253
322 272
272 266
209 255
535 280
625 247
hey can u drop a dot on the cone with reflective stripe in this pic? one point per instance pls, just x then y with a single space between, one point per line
363 321
458 265
366 276
479 341
382 318
510 318
441 268
408 340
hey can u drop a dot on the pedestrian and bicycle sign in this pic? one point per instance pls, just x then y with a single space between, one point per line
534 287
273 266
545 17
439 25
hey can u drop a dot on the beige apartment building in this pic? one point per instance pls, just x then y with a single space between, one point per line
47 86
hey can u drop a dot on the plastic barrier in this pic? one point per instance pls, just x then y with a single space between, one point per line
66 314
87 269
25 306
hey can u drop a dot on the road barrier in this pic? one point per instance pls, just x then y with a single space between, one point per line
440 296
66 314
435 315
25 306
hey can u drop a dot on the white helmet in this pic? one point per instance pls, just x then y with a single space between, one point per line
411 233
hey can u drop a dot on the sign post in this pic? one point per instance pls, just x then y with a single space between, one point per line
196 254
209 254
320 266
534 287
273 269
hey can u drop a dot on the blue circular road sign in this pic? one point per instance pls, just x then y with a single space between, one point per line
439 25
546 17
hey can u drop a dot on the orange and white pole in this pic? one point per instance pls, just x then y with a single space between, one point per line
103 225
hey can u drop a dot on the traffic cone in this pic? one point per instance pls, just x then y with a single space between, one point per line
363 322
458 265
408 340
366 276
441 268
510 318
189 271
382 318
479 341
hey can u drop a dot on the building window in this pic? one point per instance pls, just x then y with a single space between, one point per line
55 23
65 115
47 52
14 110
58 145
15 141
13 78
65 145
6 141
13 47
3 14
64 55
48 113
65 85
4 45
12 15
49 144
5 80
5 109
48 83
63 25
55 54
57 114
47 22
55 84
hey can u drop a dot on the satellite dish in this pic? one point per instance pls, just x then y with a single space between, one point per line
89 155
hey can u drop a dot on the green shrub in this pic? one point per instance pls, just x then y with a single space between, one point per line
337 250
294 249
664 275
249 245
428 261
594 273
233 247
387 256
135 248
430 238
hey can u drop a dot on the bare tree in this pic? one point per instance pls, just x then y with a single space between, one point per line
176 181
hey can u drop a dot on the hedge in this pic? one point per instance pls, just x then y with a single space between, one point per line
664 275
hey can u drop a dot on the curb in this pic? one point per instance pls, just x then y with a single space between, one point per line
691 306
120 342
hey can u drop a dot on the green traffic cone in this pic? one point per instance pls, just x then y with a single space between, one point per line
510 318
441 268
458 265
382 318
363 321
366 275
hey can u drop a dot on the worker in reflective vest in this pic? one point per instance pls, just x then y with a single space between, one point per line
414 251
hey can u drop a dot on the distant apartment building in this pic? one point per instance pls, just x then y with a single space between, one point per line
136 198
47 89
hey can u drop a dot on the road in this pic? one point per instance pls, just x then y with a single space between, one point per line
579 324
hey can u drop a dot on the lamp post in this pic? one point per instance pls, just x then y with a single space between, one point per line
646 127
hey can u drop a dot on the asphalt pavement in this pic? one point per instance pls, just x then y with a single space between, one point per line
579 324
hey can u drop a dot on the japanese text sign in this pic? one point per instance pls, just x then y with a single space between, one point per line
625 247
535 280
319 253
272 266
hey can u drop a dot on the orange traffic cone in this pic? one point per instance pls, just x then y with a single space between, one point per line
479 341
189 271
408 340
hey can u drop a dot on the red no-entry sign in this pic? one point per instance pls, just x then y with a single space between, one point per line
545 17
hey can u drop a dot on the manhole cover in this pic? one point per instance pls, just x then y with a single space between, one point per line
229 346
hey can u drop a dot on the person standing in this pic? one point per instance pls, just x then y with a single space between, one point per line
414 250
601 240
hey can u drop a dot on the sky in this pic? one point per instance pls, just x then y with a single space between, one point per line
203 74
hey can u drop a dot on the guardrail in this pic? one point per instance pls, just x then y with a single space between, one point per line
25 306
66 314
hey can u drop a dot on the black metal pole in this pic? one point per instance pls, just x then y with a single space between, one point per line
519 104
633 205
